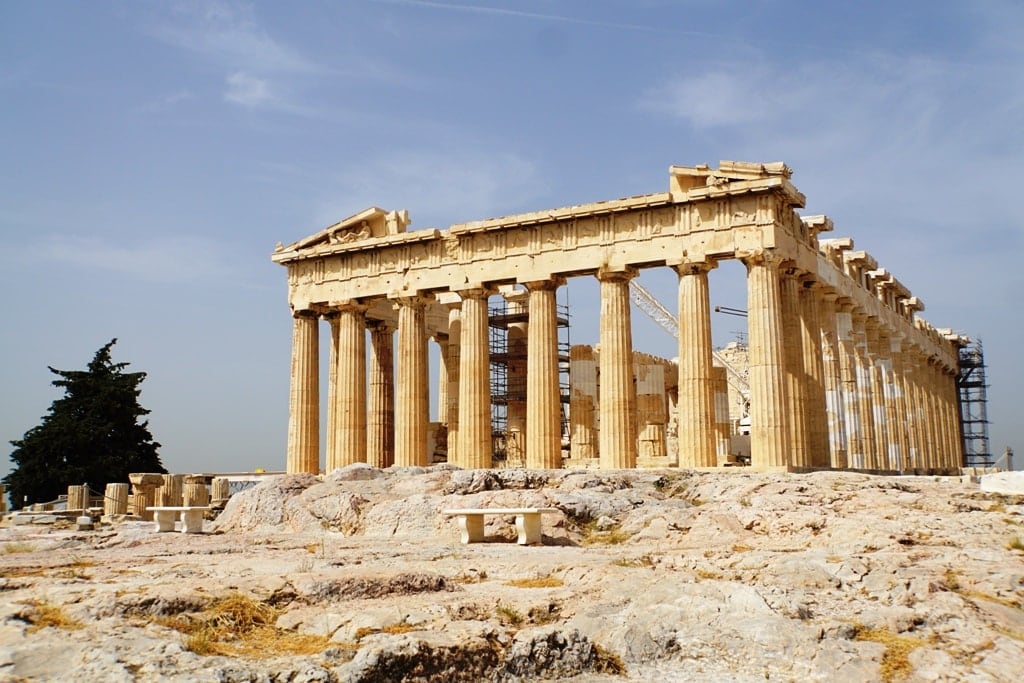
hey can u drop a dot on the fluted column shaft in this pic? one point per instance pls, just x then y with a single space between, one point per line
304 396
953 410
696 405
911 390
848 377
769 418
810 332
617 437
331 433
880 456
350 420
865 406
928 418
543 417
901 409
442 374
454 354
832 375
516 379
411 403
475 448
380 435
796 384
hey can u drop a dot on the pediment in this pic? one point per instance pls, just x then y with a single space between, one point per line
370 223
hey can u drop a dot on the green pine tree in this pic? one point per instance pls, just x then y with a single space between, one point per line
92 435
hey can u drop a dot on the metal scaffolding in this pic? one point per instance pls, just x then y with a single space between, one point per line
509 387
974 406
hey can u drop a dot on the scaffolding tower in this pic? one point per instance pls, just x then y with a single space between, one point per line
974 406
510 387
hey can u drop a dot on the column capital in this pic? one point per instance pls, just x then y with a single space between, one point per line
410 301
477 291
608 273
547 285
381 326
305 313
769 258
346 306
695 267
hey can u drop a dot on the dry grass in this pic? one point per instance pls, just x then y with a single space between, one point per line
16 547
643 561
508 615
40 615
1015 544
541 582
236 625
895 662
594 536
393 629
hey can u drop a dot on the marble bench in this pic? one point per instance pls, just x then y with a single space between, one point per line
191 518
471 522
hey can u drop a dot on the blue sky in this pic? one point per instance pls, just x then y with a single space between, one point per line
156 152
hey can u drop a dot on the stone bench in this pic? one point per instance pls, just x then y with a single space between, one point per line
191 517
471 522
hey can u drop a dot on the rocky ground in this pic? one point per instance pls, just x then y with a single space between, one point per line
643 576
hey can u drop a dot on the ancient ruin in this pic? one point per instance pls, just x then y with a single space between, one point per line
843 371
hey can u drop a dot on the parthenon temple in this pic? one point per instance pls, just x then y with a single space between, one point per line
842 371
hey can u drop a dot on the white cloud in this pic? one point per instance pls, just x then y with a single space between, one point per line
247 90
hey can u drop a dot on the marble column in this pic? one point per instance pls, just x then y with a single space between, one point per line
617 437
723 425
115 499
411 414
516 383
331 433
880 432
810 343
350 419
304 398
475 447
380 434
900 403
834 410
696 443
911 391
170 492
865 405
194 491
796 380
769 418
890 398
848 378
928 422
452 366
543 399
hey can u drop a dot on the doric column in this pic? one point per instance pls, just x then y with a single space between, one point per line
411 405
304 399
617 437
928 421
696 416
195 491
115 499
796 379
848 378
810 344
583 404
520 320
899 424
877 367
720 389
911 391
543 417
769 417
442 374
170 494
331 433
380 434
890 400
953 410
865 408
454 353
350 392
475 448
834 410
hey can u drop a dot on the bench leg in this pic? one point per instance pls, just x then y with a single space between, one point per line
164 519
528 525
192 522
472 528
